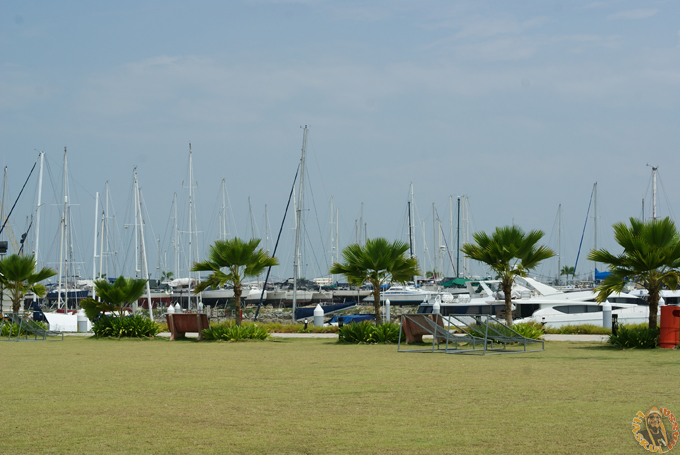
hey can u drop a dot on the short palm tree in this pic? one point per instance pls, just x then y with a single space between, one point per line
18 276
113 297
567 270
377 262
239 259
509 252
651 256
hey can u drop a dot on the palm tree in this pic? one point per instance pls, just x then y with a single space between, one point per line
509 252
113 297
18 276
240 259
377 262
567 270
167 276
651 256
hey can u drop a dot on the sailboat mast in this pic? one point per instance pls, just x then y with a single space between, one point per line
37 212
296 266
559 243
458 242
145 265
61 244
654 192
94 241
224 212
595 225
191 194
175 240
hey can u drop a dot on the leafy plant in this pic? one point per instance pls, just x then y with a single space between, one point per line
230 331
113 297
15 329
580 329
529 330
367 332
641 337
131 326
18 276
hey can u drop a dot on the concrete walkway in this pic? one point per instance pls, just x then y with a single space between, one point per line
547 337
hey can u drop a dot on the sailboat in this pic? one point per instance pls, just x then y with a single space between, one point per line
304 295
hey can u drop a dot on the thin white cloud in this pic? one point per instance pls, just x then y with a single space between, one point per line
633 14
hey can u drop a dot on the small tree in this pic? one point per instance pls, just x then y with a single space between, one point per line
510 253
18 276
239 259
113 297
377 262
651 256
567 270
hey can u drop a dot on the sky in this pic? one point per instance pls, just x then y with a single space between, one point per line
517 107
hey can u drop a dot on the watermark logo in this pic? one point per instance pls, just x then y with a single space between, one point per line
657 430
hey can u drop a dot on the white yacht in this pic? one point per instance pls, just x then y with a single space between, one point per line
401 295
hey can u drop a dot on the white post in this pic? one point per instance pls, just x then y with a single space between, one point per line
94 243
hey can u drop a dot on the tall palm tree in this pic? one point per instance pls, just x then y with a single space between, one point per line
240 259
377 262
113 297
18 276
509 252
651 256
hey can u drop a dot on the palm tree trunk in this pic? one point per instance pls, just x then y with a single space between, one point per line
376 302
507 291
237 302
653 308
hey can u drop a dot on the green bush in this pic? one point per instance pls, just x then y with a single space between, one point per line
581 329
15 329
368 332
635 336
229 331
529 330
131 326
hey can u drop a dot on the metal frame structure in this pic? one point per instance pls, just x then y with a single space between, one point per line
479 334
28 326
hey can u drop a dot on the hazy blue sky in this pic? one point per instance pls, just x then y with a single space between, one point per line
521 106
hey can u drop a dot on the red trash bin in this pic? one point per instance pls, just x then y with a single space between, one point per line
669 336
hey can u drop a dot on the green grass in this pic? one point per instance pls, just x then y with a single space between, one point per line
315 396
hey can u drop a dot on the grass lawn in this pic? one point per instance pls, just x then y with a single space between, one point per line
315 396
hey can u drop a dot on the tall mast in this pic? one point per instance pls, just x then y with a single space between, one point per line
37 214
298 227
223 234
145 265
332 236
654 192
266 229
191 201
451 221
458 242
252 222
559 243
435 249
94 241
175 240
337 236
595 226
61 245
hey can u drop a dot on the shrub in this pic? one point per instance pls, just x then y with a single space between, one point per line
15 329
529 330
367 332
581 329
131 326
635 336
229 331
